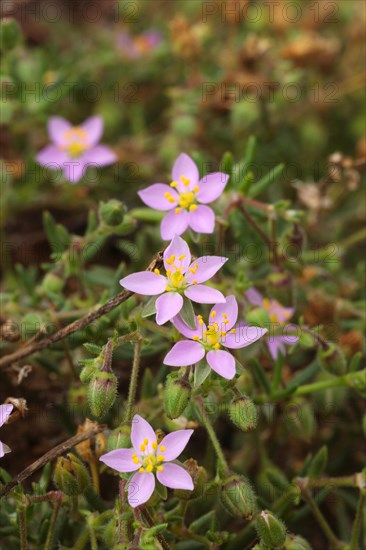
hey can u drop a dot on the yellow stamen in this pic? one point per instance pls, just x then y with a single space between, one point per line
174 184
223 333
149 468
141 470
177 210
217 346
156 271
136 460
224 315
162 448
180 258
233 330
168 288
196 189
195 282
171 259
142 447
160 468
169 272
146 441
185 181
193 207
226 322
161 458
213 314
200 321
134 455
154 445
196 338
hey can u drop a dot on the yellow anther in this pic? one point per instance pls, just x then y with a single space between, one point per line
223 333
196 338
174 184
226 322
142 447
167 195
224 315
160 468
266 303
134 455
141 470
233 330
185 180
149 468
177 210
168 288
171 259
180 258
195 282
154 445
146 441
193 207
196 188
136 460
169 272
160 458
156 271
199 316
200 321
213 314
162 448
217 346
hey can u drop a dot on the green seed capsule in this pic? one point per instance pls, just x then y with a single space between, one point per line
70 475
102 393
177 394
237 497
10 33
243 413
270 529
295 542
112 212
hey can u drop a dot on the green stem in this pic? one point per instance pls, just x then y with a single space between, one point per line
81 541
358 521
329 482
23 530
323 524
92 537
133 381
223 465
122 524
51 529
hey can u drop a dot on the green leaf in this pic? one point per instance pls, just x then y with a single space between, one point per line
318 463
58 236
355 362
93 348
226 165
149 308
260 375
201 371
207 521
245 182
266 181
187 313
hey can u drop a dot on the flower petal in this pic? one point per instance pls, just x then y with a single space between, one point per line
211 187
187 331
167 306
244 336
74 170
120 460
202 219
5 411
254 297
93 126
100 155
205 267
52 157
144 282
175 477
4 449
282 313
154 196
141 430
276 345
228 310
204 294
222 362
178 248
57 126
140 488
174 224
174 444
184 353
186 167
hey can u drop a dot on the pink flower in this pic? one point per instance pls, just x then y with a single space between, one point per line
74 148
278 315
5 411
150 457
134 47
183 278
222 331
186 198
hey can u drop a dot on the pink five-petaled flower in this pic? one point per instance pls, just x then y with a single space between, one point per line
182 278
222 330
186 198
5 411
278 316
149 457
74 148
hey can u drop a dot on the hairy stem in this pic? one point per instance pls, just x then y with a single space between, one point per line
23 530
356 530
133 382
51 529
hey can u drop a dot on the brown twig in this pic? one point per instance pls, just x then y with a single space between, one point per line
51 455
76 325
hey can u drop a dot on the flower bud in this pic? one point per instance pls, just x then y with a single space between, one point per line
119 438
332 360
112 212
52 283
87 373
243 413
258 317
10 33
199 477
177 393
270 529
295 542
237 497
102 393
70 475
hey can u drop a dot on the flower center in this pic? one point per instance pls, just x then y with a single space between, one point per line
76 139
187 199
177 282
213 336
149 462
